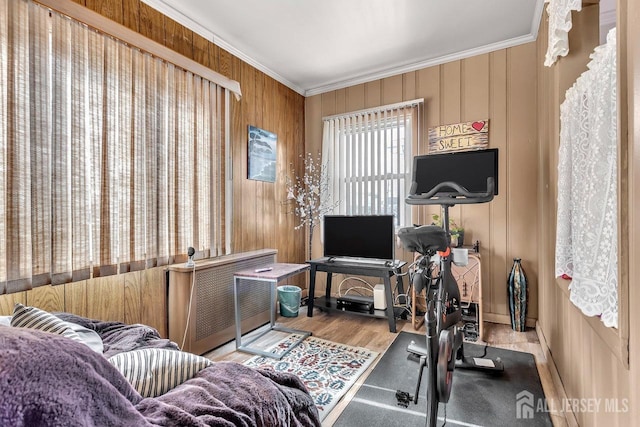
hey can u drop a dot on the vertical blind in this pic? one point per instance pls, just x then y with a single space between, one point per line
110 158
368 159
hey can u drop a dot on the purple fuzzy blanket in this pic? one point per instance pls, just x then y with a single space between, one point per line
50 380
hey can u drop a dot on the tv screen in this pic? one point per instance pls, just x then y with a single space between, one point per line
359 236
469 169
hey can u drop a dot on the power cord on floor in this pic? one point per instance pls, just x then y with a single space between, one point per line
186 326
484 352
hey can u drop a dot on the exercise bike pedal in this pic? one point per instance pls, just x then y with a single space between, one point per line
416 350
413 357
403 398
480 363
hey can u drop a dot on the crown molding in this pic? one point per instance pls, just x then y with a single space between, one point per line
532 36
169 11
419 65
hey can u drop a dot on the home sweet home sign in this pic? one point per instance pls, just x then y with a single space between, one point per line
459 137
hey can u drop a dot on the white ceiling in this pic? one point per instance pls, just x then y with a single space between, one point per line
317 46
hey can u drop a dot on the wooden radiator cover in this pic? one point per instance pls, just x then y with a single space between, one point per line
211 320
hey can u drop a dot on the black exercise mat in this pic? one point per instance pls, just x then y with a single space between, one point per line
514 397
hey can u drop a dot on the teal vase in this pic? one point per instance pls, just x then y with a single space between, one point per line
517 296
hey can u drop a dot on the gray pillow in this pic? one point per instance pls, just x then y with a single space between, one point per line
5 320
84 335
87 336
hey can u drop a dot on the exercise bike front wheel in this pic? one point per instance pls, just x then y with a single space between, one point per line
444 367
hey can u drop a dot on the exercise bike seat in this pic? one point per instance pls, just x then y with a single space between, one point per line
424 239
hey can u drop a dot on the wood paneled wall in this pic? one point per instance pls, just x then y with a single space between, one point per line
137 297
261 218
588 360
500 86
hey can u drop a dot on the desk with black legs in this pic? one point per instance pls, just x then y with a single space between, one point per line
355 268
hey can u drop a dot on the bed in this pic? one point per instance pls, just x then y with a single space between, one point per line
79 371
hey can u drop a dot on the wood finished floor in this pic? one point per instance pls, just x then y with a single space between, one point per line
374 334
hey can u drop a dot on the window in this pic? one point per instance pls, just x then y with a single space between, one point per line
587 209
368 156
110 157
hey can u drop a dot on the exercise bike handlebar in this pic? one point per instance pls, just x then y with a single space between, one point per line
438 196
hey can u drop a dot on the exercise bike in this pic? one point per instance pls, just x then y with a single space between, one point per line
444 340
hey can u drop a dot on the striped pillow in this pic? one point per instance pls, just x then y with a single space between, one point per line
34 318
154 371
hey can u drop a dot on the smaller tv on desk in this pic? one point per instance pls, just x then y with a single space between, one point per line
357 245
360 238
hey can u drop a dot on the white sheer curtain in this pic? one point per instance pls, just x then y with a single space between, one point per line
586 239
559 12
368 157
110 158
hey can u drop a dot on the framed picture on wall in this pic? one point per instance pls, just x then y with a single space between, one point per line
261 154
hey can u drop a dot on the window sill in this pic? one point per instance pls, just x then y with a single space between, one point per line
612 337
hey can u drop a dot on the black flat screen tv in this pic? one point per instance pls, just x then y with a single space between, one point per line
359 236
470 169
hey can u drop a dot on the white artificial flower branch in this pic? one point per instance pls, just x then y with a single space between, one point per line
310 193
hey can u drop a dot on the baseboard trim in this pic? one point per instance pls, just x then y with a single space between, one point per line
569 416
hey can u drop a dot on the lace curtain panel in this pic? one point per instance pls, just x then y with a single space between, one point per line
559 12
586 239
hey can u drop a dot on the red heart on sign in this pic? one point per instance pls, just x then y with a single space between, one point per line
477 126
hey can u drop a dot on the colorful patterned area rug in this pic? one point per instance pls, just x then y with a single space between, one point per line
328 369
